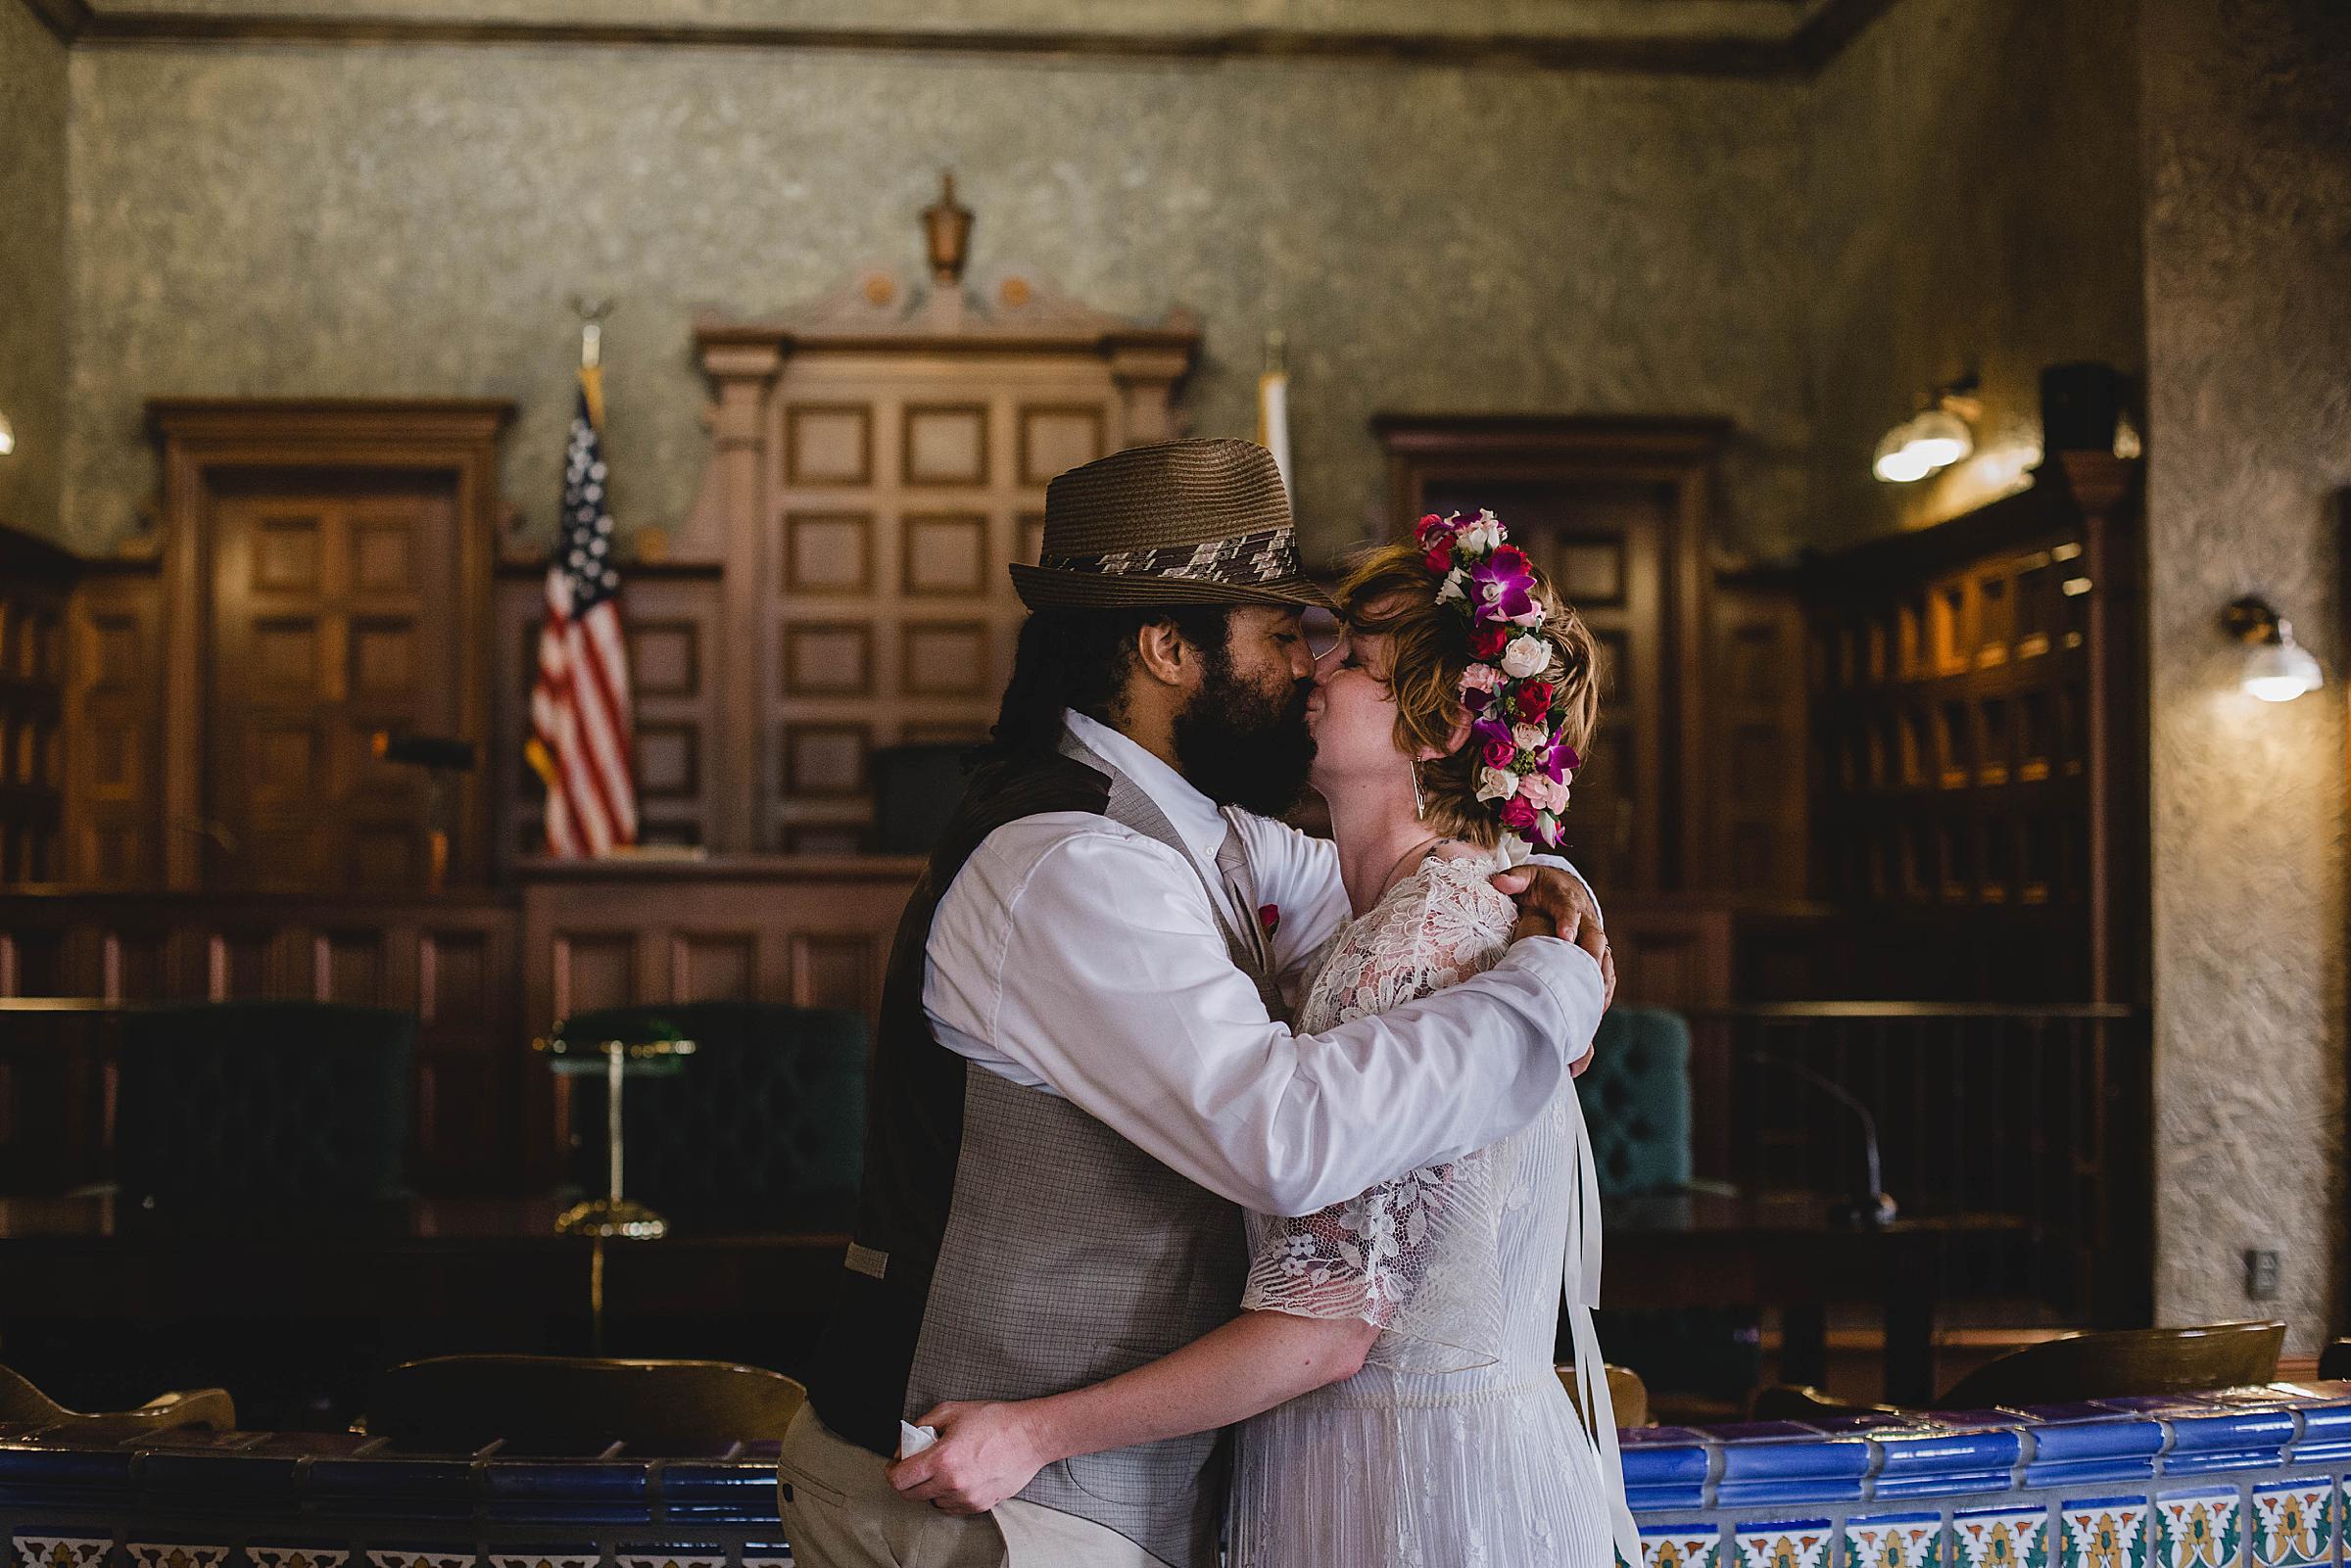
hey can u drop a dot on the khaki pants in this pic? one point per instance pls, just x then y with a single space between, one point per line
841 1512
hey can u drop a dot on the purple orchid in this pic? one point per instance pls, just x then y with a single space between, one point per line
1502 589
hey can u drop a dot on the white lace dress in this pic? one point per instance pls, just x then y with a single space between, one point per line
1456 1445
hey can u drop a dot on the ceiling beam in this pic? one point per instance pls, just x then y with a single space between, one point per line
1798 53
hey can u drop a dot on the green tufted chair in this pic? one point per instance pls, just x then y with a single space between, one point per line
1637 1101
763 1129
277 1104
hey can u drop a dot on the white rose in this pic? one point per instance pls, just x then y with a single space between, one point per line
1451 588
1496 784
1531 738
1481 536
1525 656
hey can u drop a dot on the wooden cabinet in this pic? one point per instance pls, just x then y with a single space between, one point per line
35 580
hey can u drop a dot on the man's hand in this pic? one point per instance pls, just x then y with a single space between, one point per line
1554 903
984 1454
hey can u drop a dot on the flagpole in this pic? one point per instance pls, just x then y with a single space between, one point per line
1273 408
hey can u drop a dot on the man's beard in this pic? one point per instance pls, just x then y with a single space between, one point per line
1244 746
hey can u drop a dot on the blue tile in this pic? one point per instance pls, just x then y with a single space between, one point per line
1943 1460
730 1493
2325 1435
392 1489
2217 1436
567 1490
42 1475
1665 1471
235 1481
2090 1443
1807 1468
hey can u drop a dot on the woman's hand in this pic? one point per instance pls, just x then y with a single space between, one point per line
984 1454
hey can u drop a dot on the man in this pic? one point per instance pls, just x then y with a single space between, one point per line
1081 1071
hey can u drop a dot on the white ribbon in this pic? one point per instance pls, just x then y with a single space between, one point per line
1580 1285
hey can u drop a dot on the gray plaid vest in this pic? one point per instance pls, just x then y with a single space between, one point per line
1008 1244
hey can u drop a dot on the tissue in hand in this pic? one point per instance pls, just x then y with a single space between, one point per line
913 1439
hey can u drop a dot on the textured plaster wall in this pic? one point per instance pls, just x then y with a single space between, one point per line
32 266
395 220
1974 197
2248 196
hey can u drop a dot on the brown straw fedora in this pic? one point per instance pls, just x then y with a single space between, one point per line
1186 522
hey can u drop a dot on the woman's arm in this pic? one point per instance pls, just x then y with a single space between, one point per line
987 1451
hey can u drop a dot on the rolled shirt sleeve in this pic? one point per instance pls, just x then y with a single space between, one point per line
1075 953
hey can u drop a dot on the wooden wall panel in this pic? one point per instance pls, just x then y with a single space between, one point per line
36 582
451 961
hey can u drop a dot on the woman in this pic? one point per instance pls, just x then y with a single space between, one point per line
1393 1356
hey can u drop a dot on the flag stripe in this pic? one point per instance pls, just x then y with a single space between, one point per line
580 708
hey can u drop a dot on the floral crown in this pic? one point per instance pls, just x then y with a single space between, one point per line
1524 764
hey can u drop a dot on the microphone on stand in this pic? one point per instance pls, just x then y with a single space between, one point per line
1870 1207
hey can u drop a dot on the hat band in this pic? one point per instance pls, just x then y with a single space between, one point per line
1246 561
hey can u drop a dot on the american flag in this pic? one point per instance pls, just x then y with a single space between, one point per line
580 734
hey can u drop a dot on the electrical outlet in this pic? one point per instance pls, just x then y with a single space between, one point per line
2261 1273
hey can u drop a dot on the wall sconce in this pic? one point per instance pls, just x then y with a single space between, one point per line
8 436
1933 438
2278 669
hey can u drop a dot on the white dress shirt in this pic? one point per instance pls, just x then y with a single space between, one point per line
1076 955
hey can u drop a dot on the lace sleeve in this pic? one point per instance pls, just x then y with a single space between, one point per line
1418 1257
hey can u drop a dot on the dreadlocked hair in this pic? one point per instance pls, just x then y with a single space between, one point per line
1079 660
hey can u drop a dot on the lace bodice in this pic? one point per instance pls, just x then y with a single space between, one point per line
1455 1445
1416 1257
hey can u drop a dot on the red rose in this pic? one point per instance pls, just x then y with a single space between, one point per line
1439 558
1270 916
1517 813
1534 700
1487 642
1499 752
1431 528
1508 559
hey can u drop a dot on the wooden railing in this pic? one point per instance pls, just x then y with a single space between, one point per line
2035 1111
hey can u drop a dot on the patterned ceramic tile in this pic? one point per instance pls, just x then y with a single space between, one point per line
421 1557
176 1555
1784 1543
1680 1547
2104 1533
1895 1540
294 1556
2200 1529
61 1551
2001 1538
2294 1523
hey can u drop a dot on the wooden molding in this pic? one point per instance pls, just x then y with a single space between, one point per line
1800 52
69 20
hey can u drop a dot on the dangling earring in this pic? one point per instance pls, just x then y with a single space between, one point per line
1420 809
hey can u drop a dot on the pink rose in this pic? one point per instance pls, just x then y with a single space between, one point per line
1482 678
1517 814
1499 754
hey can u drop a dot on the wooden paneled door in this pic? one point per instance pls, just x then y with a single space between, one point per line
324 573
325 627
1618 512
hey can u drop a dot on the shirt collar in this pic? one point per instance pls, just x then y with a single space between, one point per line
1189 812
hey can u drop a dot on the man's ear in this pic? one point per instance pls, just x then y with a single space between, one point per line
1164 654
